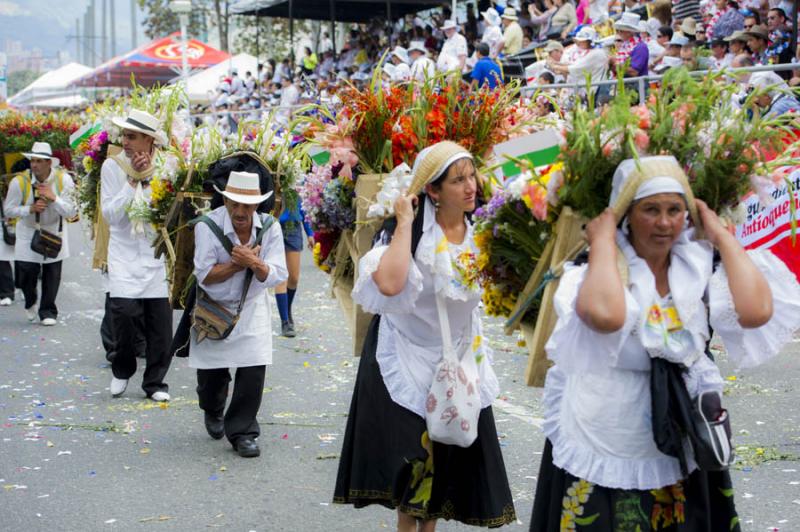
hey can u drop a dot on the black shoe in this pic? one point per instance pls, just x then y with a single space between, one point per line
215 426
287 329
247 448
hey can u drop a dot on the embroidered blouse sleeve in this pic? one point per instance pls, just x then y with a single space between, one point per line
574 346
367 294
751 347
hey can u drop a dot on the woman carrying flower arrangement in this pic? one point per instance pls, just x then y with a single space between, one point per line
420 279
630 353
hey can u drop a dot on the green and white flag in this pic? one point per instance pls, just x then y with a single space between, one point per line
319 155
83 133
540 149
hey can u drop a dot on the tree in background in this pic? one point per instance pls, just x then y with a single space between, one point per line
20 79
160 21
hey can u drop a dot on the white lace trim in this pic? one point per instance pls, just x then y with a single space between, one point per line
435 252
587 464
751 347
366 292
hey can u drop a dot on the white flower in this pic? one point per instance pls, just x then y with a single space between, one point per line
393 186
516 186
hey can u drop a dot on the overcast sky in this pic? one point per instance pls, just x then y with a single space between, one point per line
48 24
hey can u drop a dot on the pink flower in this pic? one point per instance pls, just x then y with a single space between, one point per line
641 140
535 197
643 114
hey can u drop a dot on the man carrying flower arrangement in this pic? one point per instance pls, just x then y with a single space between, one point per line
139 303
238 254
41 199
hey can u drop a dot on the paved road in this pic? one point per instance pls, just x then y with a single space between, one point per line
72 458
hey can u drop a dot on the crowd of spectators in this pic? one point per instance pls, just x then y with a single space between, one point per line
556 41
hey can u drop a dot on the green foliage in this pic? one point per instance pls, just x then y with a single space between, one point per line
159 21
20 79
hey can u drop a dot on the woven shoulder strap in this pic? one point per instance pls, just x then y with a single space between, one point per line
224 240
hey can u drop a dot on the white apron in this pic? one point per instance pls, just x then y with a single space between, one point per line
249 344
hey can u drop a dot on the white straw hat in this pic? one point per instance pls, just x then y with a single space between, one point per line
449 25
510 14
41 150
143 123
628 22
243 187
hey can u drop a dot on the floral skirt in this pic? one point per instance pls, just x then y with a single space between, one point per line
388 459
701 503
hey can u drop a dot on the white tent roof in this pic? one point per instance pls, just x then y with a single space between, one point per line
200 86
53 83
76 100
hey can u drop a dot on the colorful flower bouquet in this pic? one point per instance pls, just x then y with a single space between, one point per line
18 132
511 232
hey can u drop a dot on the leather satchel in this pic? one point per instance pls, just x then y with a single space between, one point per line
210 319
46 243
9 235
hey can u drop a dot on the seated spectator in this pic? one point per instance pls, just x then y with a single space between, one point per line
632 55
591 63
399 58
689 56
541 19
486 72
725 21
554 51
672 55
772 95
720 57
310 61
737 43
512 35
564 20
758 42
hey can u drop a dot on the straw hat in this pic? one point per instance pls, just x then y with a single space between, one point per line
552 46
759 31
401 53
629 21
418 46
510 14
689 26
433 161
737 35
491 16
631 174
243 187
586 33
449 25
41 150
142 122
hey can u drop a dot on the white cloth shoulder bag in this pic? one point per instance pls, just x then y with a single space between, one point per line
454 403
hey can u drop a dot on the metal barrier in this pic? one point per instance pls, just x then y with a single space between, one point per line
643 82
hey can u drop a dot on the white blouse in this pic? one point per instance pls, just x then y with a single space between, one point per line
597 395
409 337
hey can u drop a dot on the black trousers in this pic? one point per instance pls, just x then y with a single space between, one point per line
28 273
152 319
240 418
6 280
107 334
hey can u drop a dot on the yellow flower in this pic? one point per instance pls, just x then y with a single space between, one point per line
88 163
158 190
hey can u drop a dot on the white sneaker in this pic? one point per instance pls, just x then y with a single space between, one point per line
49 322
5 302
118 386
160 397
32 313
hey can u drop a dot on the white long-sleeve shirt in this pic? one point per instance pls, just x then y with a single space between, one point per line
250 342
133 271
63 207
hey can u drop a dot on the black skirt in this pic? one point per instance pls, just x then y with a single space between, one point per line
387 459
701 503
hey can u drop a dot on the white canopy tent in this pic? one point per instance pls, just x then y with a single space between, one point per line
51 85
200 86
61 102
